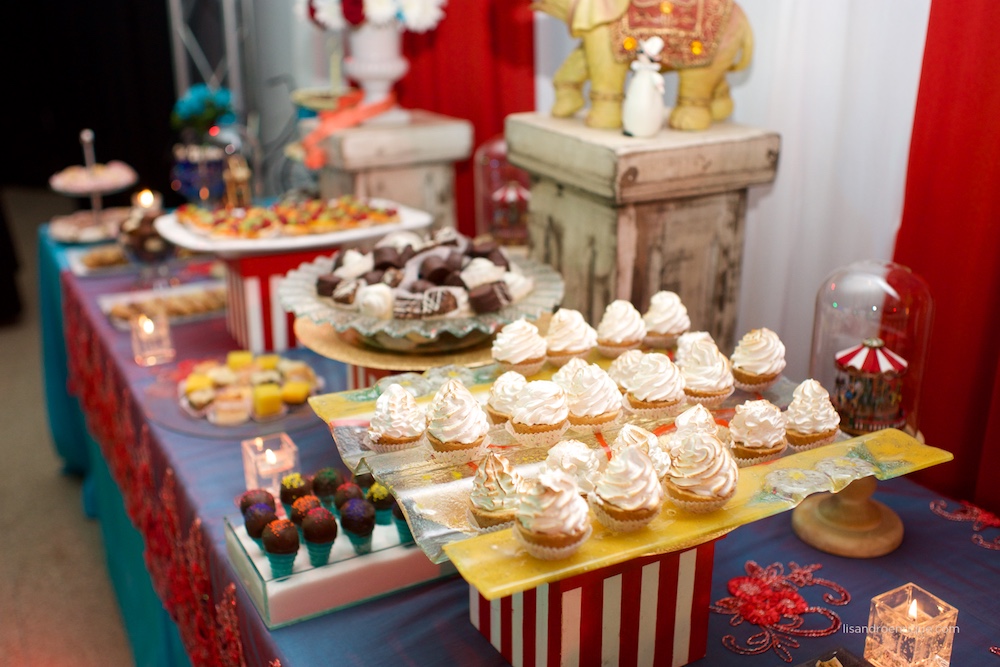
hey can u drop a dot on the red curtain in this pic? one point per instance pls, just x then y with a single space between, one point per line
950 235
479 64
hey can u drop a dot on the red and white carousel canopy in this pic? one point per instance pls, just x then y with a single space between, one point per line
871 356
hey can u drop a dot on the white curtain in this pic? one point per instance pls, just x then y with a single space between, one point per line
838 81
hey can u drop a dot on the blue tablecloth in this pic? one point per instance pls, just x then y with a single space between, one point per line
430 624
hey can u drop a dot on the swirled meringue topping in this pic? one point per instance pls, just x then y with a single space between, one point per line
706 369
569 333
517 342
375 301
564 376
496 485
622 369
696 419
578 461
811 410
553 506
505 391
685 341
760 352
633 436
657 379
630 482
541 402
703 466
757 425
666 315
455 416
397 415
621 323
354 265
592 392
661 461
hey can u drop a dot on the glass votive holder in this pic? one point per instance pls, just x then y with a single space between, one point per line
151 341
909 627
267 459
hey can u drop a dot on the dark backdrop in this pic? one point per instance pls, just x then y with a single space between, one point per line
102 64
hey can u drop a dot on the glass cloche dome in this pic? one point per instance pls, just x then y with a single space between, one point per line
869 345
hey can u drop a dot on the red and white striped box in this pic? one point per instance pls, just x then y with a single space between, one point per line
361 377
650 611
255 317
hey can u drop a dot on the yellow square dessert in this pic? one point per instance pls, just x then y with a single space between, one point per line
267 400
238 359
295 392
197 382
268 362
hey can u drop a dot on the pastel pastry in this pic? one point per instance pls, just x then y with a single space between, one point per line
254 497
810 420
703 474
519 347
319 531
398 422
455 421
622 369
757 432
628 495
569 336
578 461
657 387
280 540
496 492
707 376
593 398
758 360
503 395
552 521
666 319
621 329
541 414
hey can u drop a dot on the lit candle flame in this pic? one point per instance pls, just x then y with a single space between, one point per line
146 198
912 610
146 324
271 458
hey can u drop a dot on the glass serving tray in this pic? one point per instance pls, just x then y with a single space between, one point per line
347 579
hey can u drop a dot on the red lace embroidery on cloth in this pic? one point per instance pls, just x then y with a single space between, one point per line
980 518
770 599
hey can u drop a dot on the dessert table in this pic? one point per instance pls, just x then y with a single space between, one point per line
162 494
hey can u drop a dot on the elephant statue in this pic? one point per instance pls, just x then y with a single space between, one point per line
702 41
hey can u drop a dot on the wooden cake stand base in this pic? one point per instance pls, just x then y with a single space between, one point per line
848 523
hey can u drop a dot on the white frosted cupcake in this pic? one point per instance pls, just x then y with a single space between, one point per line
703 474
552 521
564 376
496 492
757 431
622 369
811 419
657 388
696 419
578 461
621 329
540 415
455 420
503 395
398 422
593 399
569 337
707 377
519 347
666 319
758 360
633 436
628 495
685 341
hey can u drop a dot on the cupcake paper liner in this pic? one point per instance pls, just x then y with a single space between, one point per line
462 455
319 554
656 413
660 341
403 528
709 401
362 544
489 529
550 553
542 439
384 448
383 517
746 463
327 502
756 388
813 445
703 507
524 369
597 428
613 524
281 564
615 351
560 359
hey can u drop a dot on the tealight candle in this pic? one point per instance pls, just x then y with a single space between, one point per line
908 626
149 201
151 341
267 459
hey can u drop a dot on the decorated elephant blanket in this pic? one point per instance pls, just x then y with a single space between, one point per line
690 29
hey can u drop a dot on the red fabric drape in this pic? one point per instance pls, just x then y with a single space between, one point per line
479 64
950 235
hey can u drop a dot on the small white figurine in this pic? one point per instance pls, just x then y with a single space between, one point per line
642 111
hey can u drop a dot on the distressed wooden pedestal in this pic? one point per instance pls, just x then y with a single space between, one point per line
621 217
411 163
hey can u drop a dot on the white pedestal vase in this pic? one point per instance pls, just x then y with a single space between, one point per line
375 60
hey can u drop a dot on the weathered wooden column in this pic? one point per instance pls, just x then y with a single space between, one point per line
621 217
411 163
